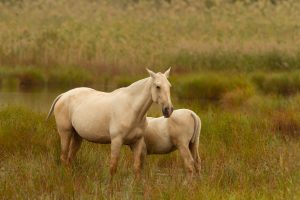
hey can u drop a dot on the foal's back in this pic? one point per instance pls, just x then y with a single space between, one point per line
164 135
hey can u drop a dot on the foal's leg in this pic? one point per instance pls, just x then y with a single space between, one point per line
116 144
74 146
65 138
195 153
197 160
187 158
138 156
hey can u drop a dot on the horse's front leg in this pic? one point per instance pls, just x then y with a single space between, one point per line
139 151
116 144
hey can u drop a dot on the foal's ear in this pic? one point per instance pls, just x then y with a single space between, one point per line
167 73
151 73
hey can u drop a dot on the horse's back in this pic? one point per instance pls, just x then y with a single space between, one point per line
90 112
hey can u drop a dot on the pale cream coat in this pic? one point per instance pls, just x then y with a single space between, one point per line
180 131
118 117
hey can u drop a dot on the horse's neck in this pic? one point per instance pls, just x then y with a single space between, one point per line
141 100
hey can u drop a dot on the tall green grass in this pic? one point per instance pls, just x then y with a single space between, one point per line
244 156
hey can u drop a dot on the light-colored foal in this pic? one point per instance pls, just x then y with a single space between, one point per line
180 131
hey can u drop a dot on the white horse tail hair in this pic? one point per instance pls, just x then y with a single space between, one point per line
53 105
197 128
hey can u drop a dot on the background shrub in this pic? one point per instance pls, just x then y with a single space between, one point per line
209 86
278 83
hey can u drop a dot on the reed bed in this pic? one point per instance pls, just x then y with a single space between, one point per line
115 37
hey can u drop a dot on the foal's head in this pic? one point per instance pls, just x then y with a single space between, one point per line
160 91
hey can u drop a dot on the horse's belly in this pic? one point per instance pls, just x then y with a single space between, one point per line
98 138
92 126
99 135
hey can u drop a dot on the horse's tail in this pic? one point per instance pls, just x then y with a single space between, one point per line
53 105
194 143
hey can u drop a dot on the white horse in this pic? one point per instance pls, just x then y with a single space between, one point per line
118 117
180 131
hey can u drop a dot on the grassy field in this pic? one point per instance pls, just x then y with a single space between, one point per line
248 152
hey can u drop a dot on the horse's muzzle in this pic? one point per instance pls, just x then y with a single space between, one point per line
167 111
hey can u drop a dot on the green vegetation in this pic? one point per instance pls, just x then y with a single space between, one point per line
59 44
255 44
278 83
29 77
209 86
246 154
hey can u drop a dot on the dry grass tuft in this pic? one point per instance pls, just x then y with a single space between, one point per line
287 123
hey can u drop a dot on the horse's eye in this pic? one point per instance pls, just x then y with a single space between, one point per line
157 87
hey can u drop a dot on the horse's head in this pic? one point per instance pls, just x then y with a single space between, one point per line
160 91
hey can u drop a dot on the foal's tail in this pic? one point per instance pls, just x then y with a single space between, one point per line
197 128
194 143
53 105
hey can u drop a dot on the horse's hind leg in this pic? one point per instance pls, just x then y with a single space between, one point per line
187 158
74 146
65 138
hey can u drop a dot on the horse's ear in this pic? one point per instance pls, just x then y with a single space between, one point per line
167 73
151 73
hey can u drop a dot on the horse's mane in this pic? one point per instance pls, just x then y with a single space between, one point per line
133 85
139 82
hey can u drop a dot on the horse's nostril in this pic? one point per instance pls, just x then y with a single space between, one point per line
165 110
